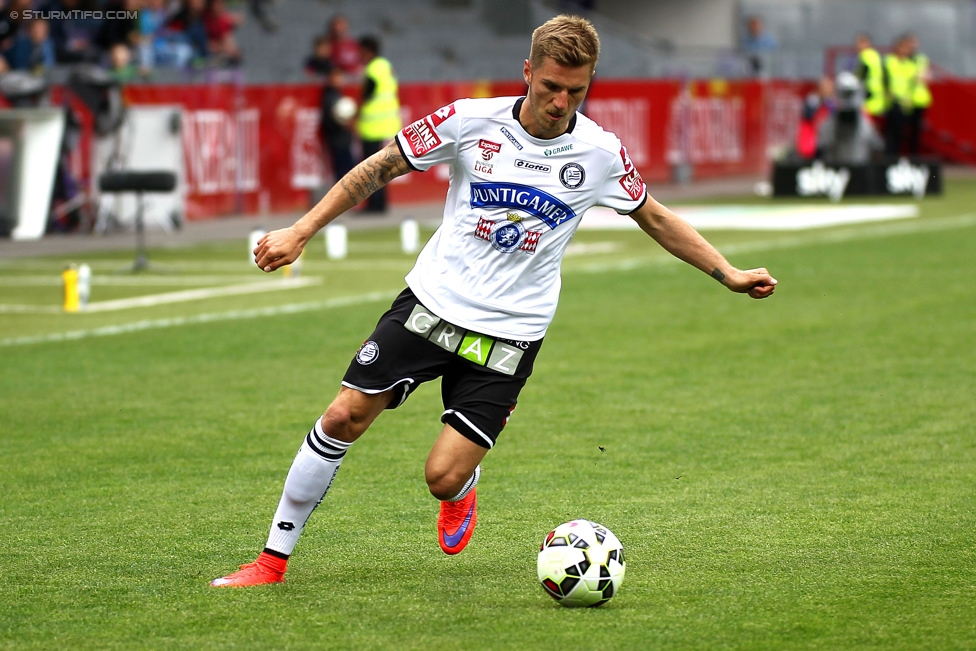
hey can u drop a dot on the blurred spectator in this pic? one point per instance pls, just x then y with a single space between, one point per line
74 37
379 112
189 24
220 25
921 95
319 62
346 54
847 135
899 77
758 45
122 28
159 44
870 72
259 9
817 107
9 26
121 65
334 125
32 49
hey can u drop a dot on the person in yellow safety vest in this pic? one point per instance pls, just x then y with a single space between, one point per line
870 72
899 69
921 95
379 112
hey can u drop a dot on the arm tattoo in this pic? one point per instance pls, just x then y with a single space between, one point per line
373 173
718 275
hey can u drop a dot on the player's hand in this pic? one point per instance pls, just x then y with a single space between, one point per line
278 248
757 283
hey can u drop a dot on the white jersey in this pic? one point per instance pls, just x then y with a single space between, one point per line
513 206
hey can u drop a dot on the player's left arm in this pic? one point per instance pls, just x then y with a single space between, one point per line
685 243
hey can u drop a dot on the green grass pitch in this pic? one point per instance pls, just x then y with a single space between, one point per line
795 473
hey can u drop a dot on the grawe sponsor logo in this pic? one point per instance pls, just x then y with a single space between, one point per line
905 177
558 150
819 179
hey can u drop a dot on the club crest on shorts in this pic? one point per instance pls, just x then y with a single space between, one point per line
508 236
368 353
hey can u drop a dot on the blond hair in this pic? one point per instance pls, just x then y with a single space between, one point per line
568 40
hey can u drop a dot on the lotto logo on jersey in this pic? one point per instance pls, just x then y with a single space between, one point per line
421 137
488 148
631 182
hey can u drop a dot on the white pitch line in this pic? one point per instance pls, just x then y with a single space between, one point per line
234 315
199 294
153 300
947 223
845 235
54 280
30 309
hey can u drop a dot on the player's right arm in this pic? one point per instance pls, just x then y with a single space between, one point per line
283 246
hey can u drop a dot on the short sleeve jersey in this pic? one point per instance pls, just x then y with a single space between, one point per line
513 205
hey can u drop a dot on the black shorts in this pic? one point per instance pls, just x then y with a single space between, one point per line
482 375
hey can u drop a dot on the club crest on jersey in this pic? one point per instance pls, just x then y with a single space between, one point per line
525 198
509 235
488 148
572 175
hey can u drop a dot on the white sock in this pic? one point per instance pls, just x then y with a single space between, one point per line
469 486
309 479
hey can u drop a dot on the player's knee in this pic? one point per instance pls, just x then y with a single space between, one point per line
344 422
444 483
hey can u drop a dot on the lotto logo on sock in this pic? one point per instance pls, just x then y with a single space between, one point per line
286 526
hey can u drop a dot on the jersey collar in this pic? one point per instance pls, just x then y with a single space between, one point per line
518 109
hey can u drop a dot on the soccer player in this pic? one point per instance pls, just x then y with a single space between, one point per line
484 288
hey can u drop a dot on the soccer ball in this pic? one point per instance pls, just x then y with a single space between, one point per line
344 110
581 563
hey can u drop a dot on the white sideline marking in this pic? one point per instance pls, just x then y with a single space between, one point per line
592 248
867 232
170 297
199 294
30 309
234 315
54 279
846 235
760 218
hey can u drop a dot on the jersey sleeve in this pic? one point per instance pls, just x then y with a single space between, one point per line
624 189
431 140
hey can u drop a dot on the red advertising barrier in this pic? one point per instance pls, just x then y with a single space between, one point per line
255 148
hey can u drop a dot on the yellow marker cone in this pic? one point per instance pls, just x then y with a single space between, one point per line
69 280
